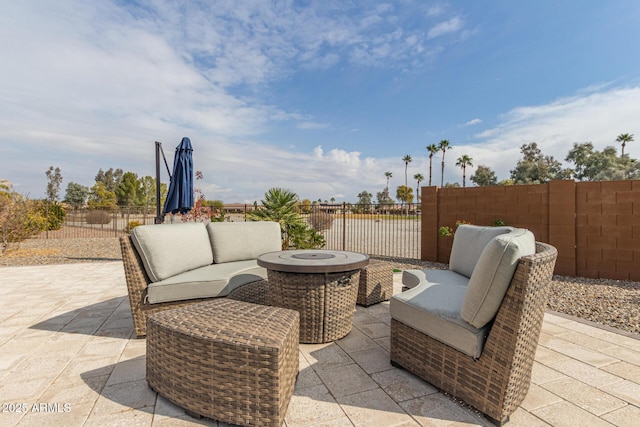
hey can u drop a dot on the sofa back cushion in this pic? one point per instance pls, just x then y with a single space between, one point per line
239 241
468 243
170 249
493 273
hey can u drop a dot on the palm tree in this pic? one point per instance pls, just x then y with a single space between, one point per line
624 138
279 205
388 175
463 162
432 149
444 144
406 159
419 178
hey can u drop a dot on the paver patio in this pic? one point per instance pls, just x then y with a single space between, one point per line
68 357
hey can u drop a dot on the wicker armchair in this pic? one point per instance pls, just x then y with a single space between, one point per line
137 282
497 382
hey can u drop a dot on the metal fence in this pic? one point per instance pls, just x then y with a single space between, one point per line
96 223
390 231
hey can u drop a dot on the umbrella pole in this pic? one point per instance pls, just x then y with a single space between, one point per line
159 219
159 215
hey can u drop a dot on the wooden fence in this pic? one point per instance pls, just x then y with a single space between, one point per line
594 225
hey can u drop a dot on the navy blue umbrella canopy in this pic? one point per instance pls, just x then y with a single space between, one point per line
180 194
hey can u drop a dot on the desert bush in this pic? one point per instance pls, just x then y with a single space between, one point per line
320 220
55 215
20 219
97 217
131 225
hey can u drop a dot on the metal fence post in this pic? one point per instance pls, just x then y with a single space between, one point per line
344 225
46 214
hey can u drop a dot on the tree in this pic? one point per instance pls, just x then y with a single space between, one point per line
384 200
419 178
146 193
464 161
443 146
76 194
432 149
128 189
593 165
111 179
54 178
535 168
404 194
364 201
484 176
388 175
406 159
624 138
101 198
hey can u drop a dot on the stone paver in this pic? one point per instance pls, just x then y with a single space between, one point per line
68 357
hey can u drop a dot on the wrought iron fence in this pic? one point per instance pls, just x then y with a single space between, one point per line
381 230
96 223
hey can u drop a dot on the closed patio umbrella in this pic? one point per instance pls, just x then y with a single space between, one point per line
180 194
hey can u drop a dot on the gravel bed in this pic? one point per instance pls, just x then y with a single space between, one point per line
614 303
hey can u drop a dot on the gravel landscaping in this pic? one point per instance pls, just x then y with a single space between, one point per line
613 303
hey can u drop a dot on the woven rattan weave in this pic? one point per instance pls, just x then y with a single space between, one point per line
376 283
498 381
137 282
228 360
326 302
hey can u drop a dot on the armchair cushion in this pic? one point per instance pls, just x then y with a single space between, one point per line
412 278
239 241
494 270
468 243
434 310
170 249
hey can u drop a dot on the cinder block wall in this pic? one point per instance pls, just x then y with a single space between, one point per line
595 226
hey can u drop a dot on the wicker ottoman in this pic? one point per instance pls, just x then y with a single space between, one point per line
228 360
376 283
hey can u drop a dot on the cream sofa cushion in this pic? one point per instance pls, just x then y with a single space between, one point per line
238 241
490 279
413 278
468 243
170 249
215 280
434 310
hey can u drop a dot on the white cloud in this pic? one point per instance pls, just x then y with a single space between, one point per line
473 122
596 117
447 27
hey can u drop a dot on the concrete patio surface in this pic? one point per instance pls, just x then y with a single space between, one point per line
68 357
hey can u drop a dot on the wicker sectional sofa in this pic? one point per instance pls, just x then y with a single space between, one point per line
171 265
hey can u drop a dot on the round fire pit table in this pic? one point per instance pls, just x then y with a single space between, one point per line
321 285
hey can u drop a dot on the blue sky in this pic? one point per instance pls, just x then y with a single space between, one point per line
320 97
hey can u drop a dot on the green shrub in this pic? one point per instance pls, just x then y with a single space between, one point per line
131 225
97 217
20 218
55 215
